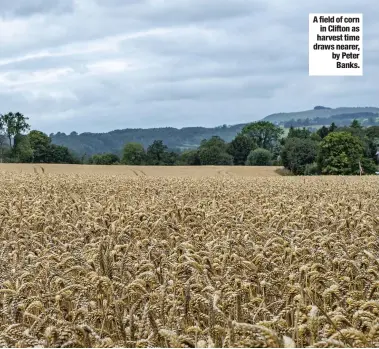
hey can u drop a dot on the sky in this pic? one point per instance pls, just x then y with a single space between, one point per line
100 65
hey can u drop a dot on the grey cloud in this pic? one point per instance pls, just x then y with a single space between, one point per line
25 8
10 99
213 89
183 11
77 62
121 3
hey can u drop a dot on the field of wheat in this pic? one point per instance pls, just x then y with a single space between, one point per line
90 260
148 171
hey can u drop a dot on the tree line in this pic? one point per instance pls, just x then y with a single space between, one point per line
330 150
333 150
257 144
33 147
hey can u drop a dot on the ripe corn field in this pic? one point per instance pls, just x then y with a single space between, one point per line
106 260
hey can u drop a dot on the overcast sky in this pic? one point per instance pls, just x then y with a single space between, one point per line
99 65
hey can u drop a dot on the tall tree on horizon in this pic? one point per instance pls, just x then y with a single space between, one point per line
265 134
13 125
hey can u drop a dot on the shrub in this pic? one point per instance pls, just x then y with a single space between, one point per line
297 153
259 157
311 169
283 172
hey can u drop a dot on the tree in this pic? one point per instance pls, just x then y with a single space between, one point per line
213 152
240 147
259 157
170 158
3 139
369 165
214 141
8 123
323 132
40 143
372 132
22 150
355 124
14 124
37 147
297 153
189 158
58 154
361 133
265 134
21 125
298 133
315 137
155 153
213 156
133 154
332 127
340 153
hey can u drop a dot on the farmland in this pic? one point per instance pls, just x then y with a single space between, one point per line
143 171
98 256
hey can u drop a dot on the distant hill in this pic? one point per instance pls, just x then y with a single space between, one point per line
321 113
190 137
184 138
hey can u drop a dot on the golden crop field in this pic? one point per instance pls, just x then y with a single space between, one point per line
108 260
161 171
